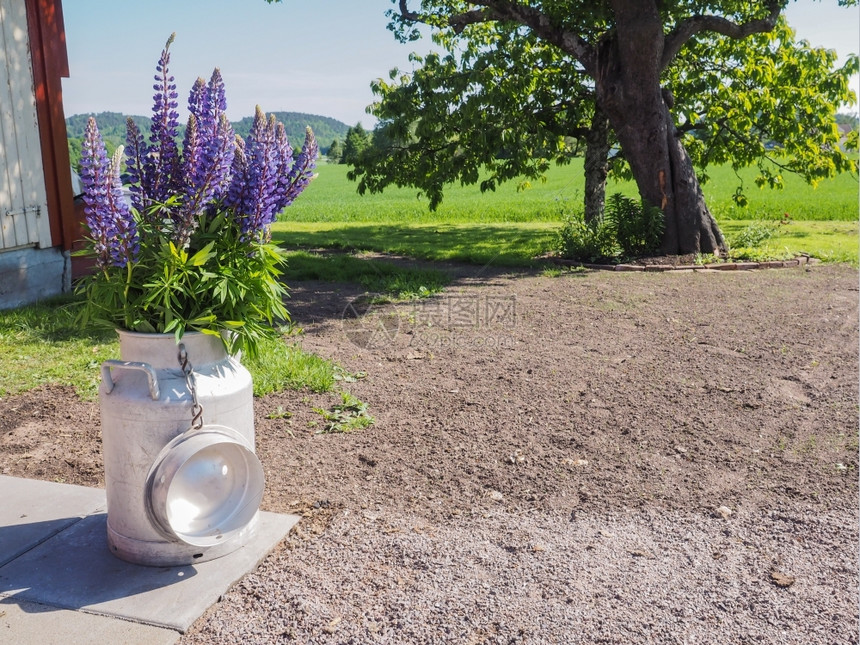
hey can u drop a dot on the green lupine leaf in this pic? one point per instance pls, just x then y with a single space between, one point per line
202 256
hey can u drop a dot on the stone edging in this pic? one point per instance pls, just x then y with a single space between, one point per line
698 268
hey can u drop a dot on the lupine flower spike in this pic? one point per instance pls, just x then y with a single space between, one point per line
160 168
111 225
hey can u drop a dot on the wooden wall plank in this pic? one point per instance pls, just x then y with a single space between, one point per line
27 198
9 186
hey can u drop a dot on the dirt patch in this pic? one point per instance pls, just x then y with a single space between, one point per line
548 463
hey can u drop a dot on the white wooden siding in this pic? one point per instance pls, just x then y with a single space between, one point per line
23 200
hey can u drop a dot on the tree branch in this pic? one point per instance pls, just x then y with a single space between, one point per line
525 15
693 25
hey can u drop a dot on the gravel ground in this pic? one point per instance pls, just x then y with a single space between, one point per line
784 576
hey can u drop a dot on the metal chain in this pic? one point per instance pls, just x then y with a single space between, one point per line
191 382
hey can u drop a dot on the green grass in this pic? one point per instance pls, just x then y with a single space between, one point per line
500 243
831 200
377 276
511 227
831 241
281 365
42 345
331 197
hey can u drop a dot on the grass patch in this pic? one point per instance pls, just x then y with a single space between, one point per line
41 344
281 365
830 241
553 271
831 200
331 197
374 275
499 243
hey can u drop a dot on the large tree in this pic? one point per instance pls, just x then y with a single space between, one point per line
537 71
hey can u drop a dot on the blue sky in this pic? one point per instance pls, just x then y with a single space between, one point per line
317 57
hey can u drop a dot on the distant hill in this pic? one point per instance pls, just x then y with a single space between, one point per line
112 127
325 128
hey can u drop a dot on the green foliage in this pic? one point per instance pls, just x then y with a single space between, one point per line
637 227
500 105
335 152
221 284
112 127
754 235
764 101
586 241
356 142
630 228
347 416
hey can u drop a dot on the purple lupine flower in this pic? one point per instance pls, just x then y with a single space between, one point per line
136 152
196 96
257 207
111 225
218 134
126 245
301 173
94 170
161 165
220 154
285 161
191 148
205 172
214 103
185 218
208 151
235 196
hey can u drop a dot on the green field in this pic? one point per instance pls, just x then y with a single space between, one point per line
512 226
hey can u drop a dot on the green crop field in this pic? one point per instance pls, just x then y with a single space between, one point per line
513 225
333 198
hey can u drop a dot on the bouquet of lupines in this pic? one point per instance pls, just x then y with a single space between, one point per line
192 251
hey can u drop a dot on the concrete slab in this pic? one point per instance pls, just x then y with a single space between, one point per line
74 570
34 511
28 623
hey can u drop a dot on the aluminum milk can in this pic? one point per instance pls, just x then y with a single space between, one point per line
183 482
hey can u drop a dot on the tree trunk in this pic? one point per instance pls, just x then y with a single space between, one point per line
628 90
596 166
